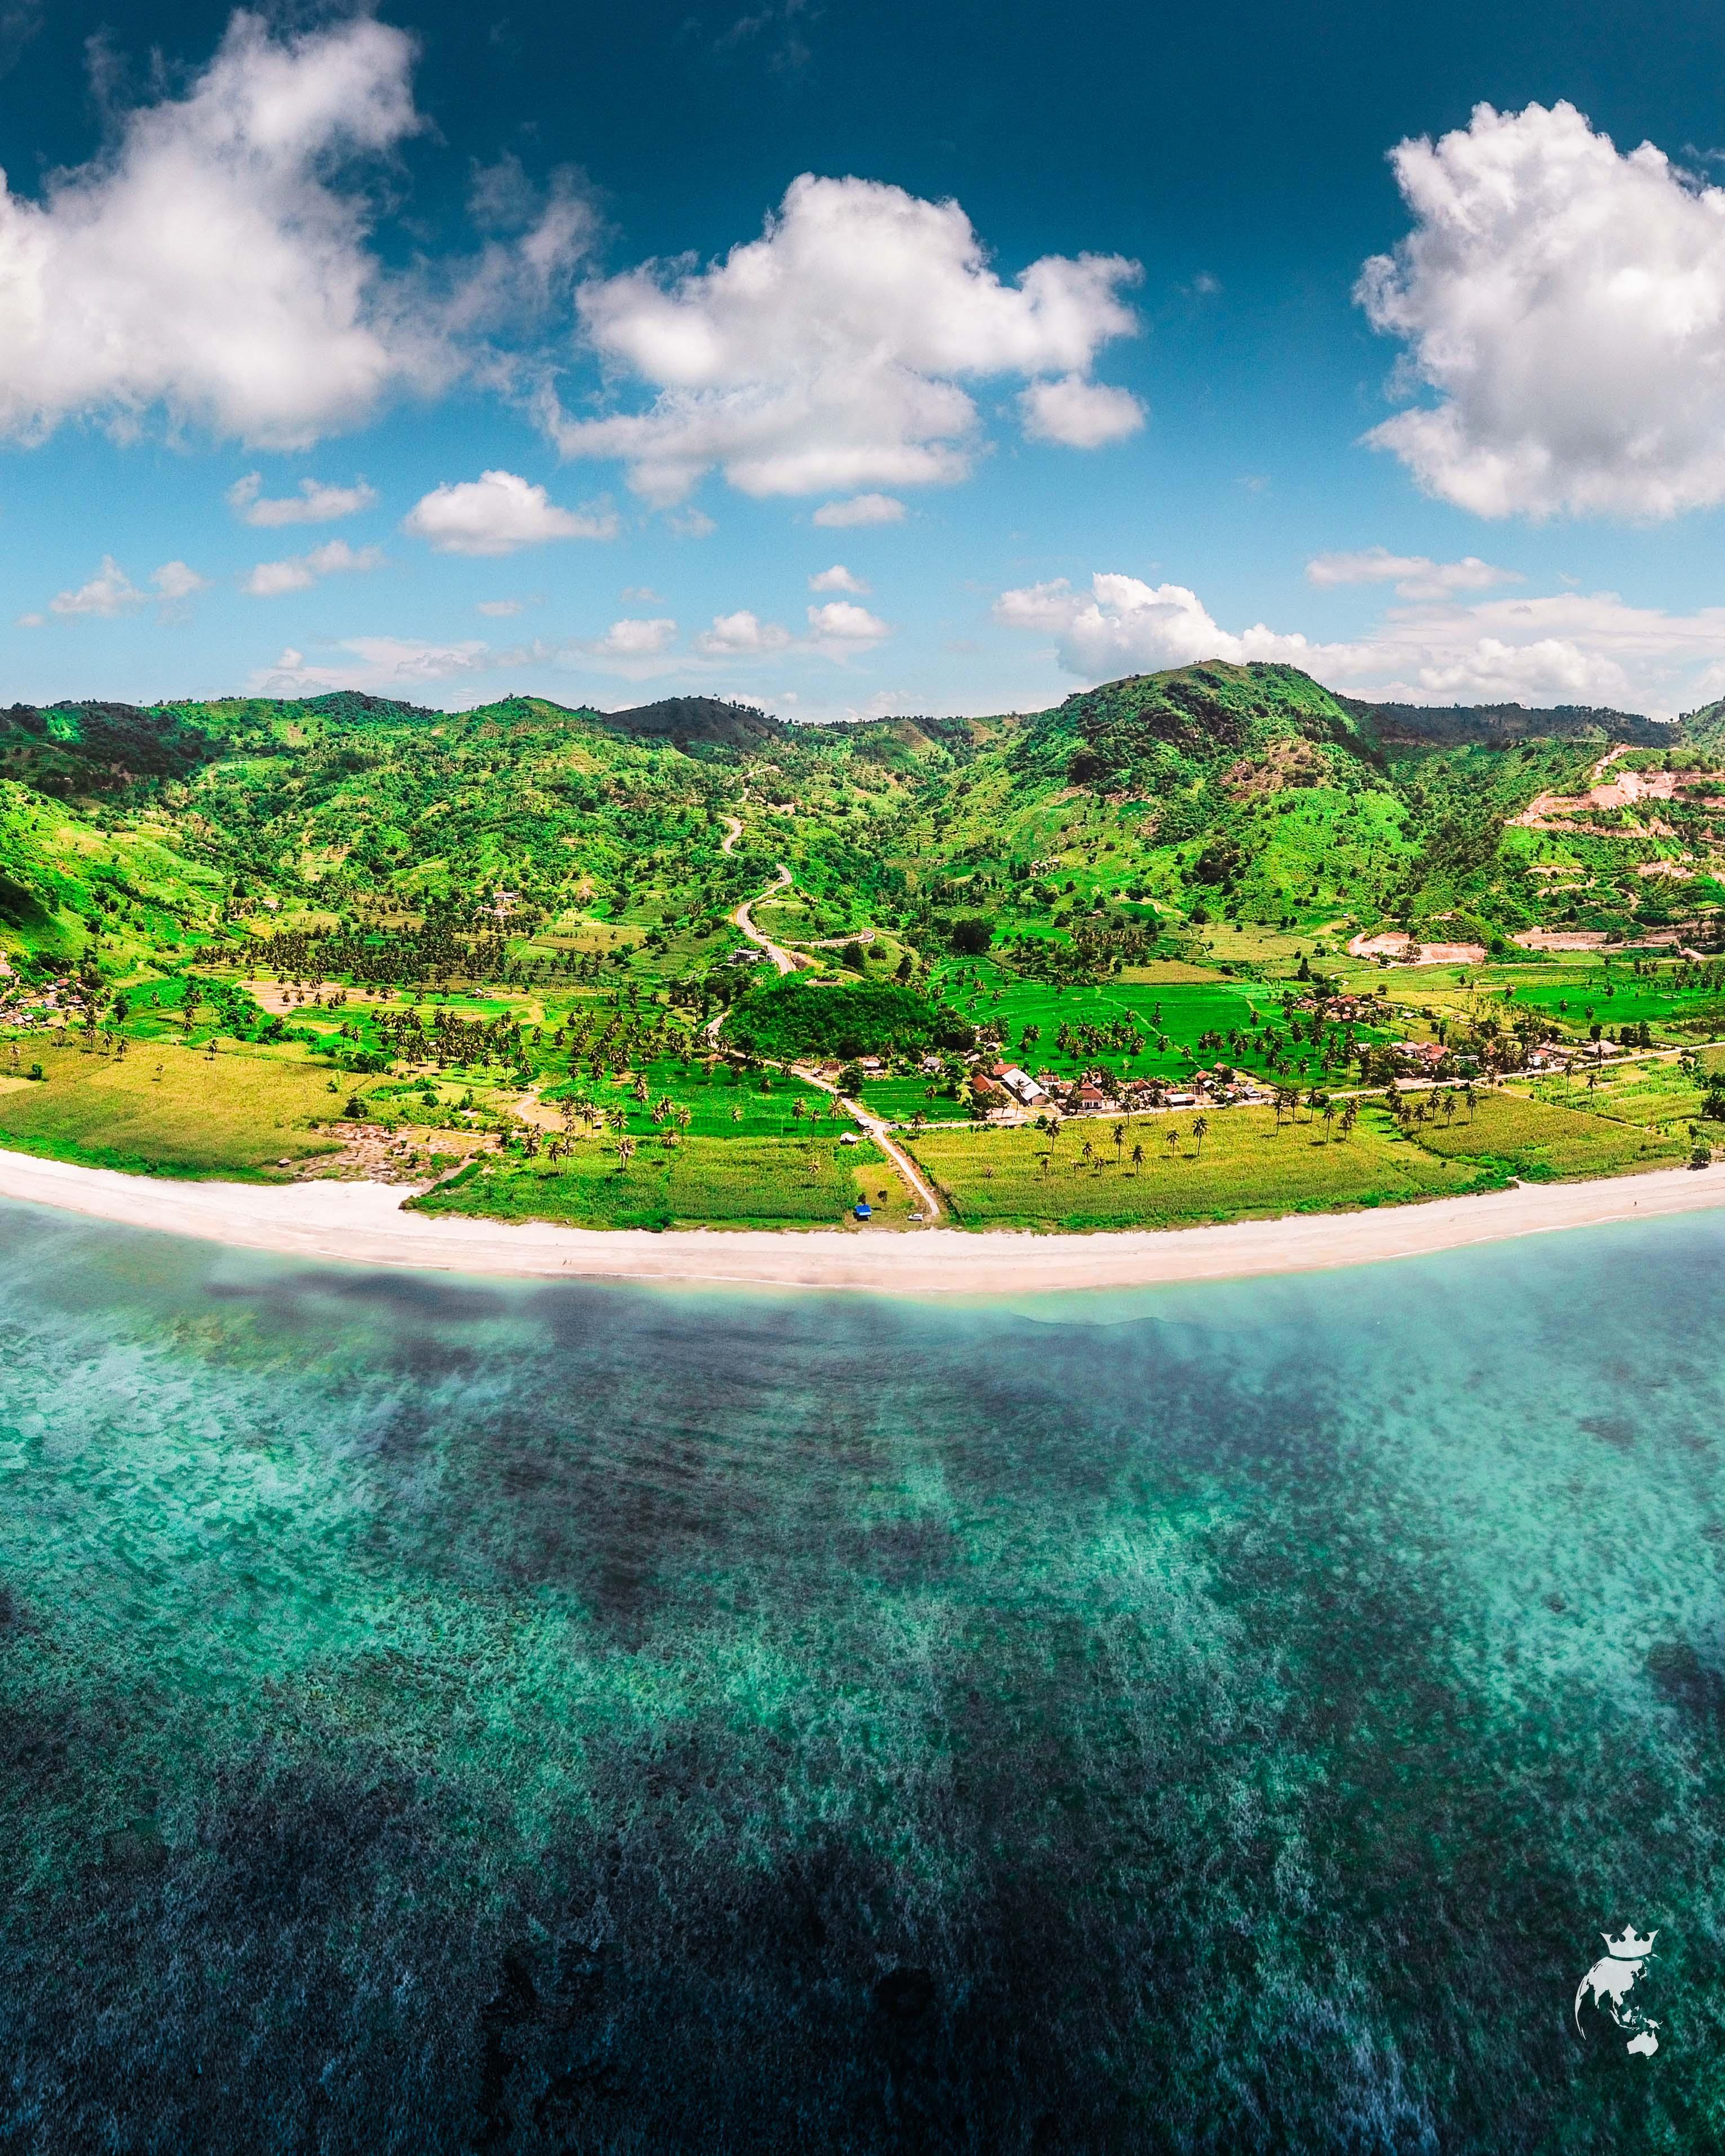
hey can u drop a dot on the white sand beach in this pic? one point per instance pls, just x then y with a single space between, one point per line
363 1223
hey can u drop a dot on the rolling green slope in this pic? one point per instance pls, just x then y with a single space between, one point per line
1123 824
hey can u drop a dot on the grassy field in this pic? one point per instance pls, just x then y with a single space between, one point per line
1582 991
1655 1095
1246 1168
724 1102
898 1099
1539 1141
733 1183
1180 1012
236 1117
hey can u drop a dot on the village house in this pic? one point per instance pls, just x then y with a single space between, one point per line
1023 1087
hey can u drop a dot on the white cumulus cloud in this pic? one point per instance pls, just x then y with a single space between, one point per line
1564 303
499 513
383 666
1567 648
742 635
831 352
836 630
838 578
636 639
214 265
841 623
1083 415
314 503
499 609
208 263
176 580
112 592
1123 625
861 509
269 580
1414 576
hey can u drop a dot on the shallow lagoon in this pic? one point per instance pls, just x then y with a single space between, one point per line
444 1715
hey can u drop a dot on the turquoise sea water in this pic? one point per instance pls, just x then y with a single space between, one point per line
450 1716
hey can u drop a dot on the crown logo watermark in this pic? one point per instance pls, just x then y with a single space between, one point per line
1609 1982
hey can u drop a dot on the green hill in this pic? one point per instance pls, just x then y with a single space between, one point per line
1127 821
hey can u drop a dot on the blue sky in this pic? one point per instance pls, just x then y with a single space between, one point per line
855 360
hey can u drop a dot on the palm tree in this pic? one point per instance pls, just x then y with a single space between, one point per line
1329 1117
1118 1135
1089 1151
1350 1116
625 1151
1137 1160
1200 1131
1469 1096
1172 1139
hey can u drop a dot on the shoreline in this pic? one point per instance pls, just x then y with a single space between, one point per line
361 1223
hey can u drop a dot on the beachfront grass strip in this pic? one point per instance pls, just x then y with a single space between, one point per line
1657 1096
760 1183
723 1101
591 1189
734 1183
162 1110
1245 1168
1541 1142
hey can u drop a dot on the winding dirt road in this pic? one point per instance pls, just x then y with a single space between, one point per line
744 919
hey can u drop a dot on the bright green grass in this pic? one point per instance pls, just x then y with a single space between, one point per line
996 1178
899 1099
1623 999
739 1182
1540 1141
1183 1011
762 1182
726 1103
1655 1095
236 1115
1574 994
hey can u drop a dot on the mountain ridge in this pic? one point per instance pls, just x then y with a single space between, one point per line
1137 811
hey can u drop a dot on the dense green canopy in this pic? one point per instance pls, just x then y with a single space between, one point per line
794 1017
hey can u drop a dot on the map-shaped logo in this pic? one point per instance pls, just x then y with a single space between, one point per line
1609 1982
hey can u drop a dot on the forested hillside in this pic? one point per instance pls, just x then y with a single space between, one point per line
1136 816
